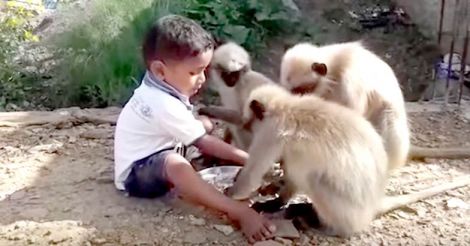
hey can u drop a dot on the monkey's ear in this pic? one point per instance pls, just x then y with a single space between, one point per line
319 68
258 109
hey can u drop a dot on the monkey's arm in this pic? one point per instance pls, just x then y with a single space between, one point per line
264 151
222 113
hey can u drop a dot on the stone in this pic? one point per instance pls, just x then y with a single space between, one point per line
225 229
285 229
196 221
457 203
268 243
283 241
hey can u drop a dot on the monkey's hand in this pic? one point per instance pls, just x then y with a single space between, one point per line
243 188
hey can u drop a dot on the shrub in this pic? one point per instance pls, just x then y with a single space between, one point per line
14 30
100 58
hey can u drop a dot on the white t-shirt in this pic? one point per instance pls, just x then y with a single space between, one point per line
152 120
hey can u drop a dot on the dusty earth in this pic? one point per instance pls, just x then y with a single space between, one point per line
56 189
56 178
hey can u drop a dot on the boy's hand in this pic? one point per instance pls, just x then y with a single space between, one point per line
214 146
206 122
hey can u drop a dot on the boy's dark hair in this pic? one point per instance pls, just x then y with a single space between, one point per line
175 37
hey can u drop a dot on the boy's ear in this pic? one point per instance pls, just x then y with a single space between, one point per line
157 68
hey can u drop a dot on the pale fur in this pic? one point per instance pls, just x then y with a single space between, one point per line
232 57
329 152
358 79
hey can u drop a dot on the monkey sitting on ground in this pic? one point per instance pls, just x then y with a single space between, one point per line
351 75
329 152
234 80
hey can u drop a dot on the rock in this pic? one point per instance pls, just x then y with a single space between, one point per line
268 243
304 240
457 203
126 238
18 195
99 241
283 241
96 134
196 221
225 229
285 229
194 237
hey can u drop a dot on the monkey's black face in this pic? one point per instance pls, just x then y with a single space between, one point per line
305 88
231 77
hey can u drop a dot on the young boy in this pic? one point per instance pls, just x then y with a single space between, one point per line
158 117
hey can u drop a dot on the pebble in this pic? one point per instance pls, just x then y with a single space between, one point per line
285 229
99 241
283 241
457 203
225 229
196 221
268 243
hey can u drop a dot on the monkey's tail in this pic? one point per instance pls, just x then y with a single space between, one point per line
446 153
390 203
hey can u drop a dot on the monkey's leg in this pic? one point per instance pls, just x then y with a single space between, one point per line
394 131
286 191
264 151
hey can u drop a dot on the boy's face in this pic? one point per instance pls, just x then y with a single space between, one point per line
187 75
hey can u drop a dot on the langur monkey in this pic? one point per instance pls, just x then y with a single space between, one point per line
234 80
329 153
351 75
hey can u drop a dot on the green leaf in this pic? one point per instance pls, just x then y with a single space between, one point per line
238 33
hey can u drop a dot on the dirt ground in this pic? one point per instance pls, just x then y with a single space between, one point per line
56 189
56 180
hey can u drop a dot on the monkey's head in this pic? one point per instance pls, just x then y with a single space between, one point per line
300 73
261 103
229 62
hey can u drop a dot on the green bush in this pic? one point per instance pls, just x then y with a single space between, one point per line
14 29
100 53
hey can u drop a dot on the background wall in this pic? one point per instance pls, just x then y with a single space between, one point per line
426 14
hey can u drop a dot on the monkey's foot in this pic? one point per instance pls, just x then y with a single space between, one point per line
270 206
303 215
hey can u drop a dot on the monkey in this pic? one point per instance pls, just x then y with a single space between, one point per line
355 77
329 153
234 79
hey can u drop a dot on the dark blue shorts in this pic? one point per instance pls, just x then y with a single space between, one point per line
147 178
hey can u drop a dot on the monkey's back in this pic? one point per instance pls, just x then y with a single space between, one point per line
342 158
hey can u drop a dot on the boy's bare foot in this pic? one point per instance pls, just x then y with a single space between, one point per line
253 225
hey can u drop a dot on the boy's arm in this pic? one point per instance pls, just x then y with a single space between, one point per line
214 146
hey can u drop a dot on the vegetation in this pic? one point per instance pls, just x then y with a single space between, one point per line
14 29
98 56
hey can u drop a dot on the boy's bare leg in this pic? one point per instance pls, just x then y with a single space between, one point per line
192 187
